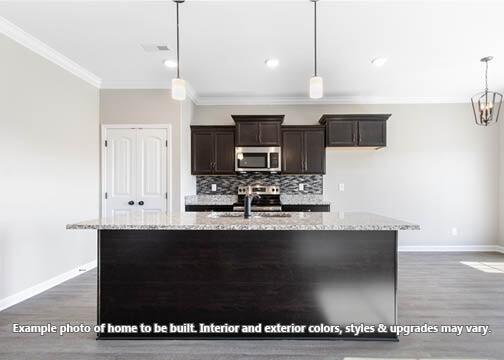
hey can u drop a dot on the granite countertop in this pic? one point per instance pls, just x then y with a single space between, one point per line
303 199
210 199
287 199
235 221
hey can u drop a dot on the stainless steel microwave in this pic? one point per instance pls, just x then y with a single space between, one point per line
249 159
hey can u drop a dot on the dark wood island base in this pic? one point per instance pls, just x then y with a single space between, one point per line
249 277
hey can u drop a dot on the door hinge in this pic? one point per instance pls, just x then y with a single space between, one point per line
106 196
166 143
106 143
166 195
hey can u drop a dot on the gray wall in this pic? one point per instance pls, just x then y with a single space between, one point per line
49 168
187 181
501 181
439 169
155 106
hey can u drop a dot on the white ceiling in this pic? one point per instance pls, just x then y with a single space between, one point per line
433 47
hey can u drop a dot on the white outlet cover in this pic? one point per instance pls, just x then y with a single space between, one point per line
341 187
454 231
214 187
301 187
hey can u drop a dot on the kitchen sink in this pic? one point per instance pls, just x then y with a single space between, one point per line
254 215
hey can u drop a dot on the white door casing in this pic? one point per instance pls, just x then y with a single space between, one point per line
135 170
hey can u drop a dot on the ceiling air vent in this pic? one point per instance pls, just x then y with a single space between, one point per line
155 47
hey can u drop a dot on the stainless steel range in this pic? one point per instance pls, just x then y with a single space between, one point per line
268 198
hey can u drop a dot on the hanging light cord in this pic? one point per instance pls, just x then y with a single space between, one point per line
486 76
178 46
315 33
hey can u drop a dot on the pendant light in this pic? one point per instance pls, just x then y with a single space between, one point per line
178 88
486 105
316 82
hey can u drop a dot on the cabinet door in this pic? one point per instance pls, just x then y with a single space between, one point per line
341 133
372 133
292 152
314 152
224 152
269 133
247 133
202 152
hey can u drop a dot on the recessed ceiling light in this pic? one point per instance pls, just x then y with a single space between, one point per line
171 64
379 62
272 63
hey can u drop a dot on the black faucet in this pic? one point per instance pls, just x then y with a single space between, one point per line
247 202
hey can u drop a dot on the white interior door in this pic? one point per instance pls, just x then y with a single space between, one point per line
121 189
136 171
151 170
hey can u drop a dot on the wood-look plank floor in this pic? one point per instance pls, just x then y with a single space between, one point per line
433 288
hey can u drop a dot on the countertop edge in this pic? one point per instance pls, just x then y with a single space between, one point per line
249 227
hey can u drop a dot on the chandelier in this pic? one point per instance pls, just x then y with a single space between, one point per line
486 105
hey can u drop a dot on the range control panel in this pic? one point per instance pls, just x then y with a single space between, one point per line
260 189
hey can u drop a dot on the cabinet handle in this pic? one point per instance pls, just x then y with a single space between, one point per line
131 202
141 203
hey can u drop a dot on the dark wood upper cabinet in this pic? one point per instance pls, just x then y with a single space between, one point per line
224 152
372 133
258 130
292 151
355 130
212 150
202 147
314 150
341 133
303 150
247 133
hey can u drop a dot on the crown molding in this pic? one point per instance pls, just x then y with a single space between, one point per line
20 36
279 100
193 95
349 100
147 85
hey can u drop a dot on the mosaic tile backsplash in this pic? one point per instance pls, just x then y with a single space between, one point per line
289 184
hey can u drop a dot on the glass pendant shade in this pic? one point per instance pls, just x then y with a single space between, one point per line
486 106
316 87
178 89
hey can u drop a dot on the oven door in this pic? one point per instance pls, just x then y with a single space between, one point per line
254 159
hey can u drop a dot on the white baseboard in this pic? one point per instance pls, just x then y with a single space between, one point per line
45 285
453 248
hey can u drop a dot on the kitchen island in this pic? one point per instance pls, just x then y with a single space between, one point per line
275 275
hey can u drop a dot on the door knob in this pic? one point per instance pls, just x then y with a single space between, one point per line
141 203
131 202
